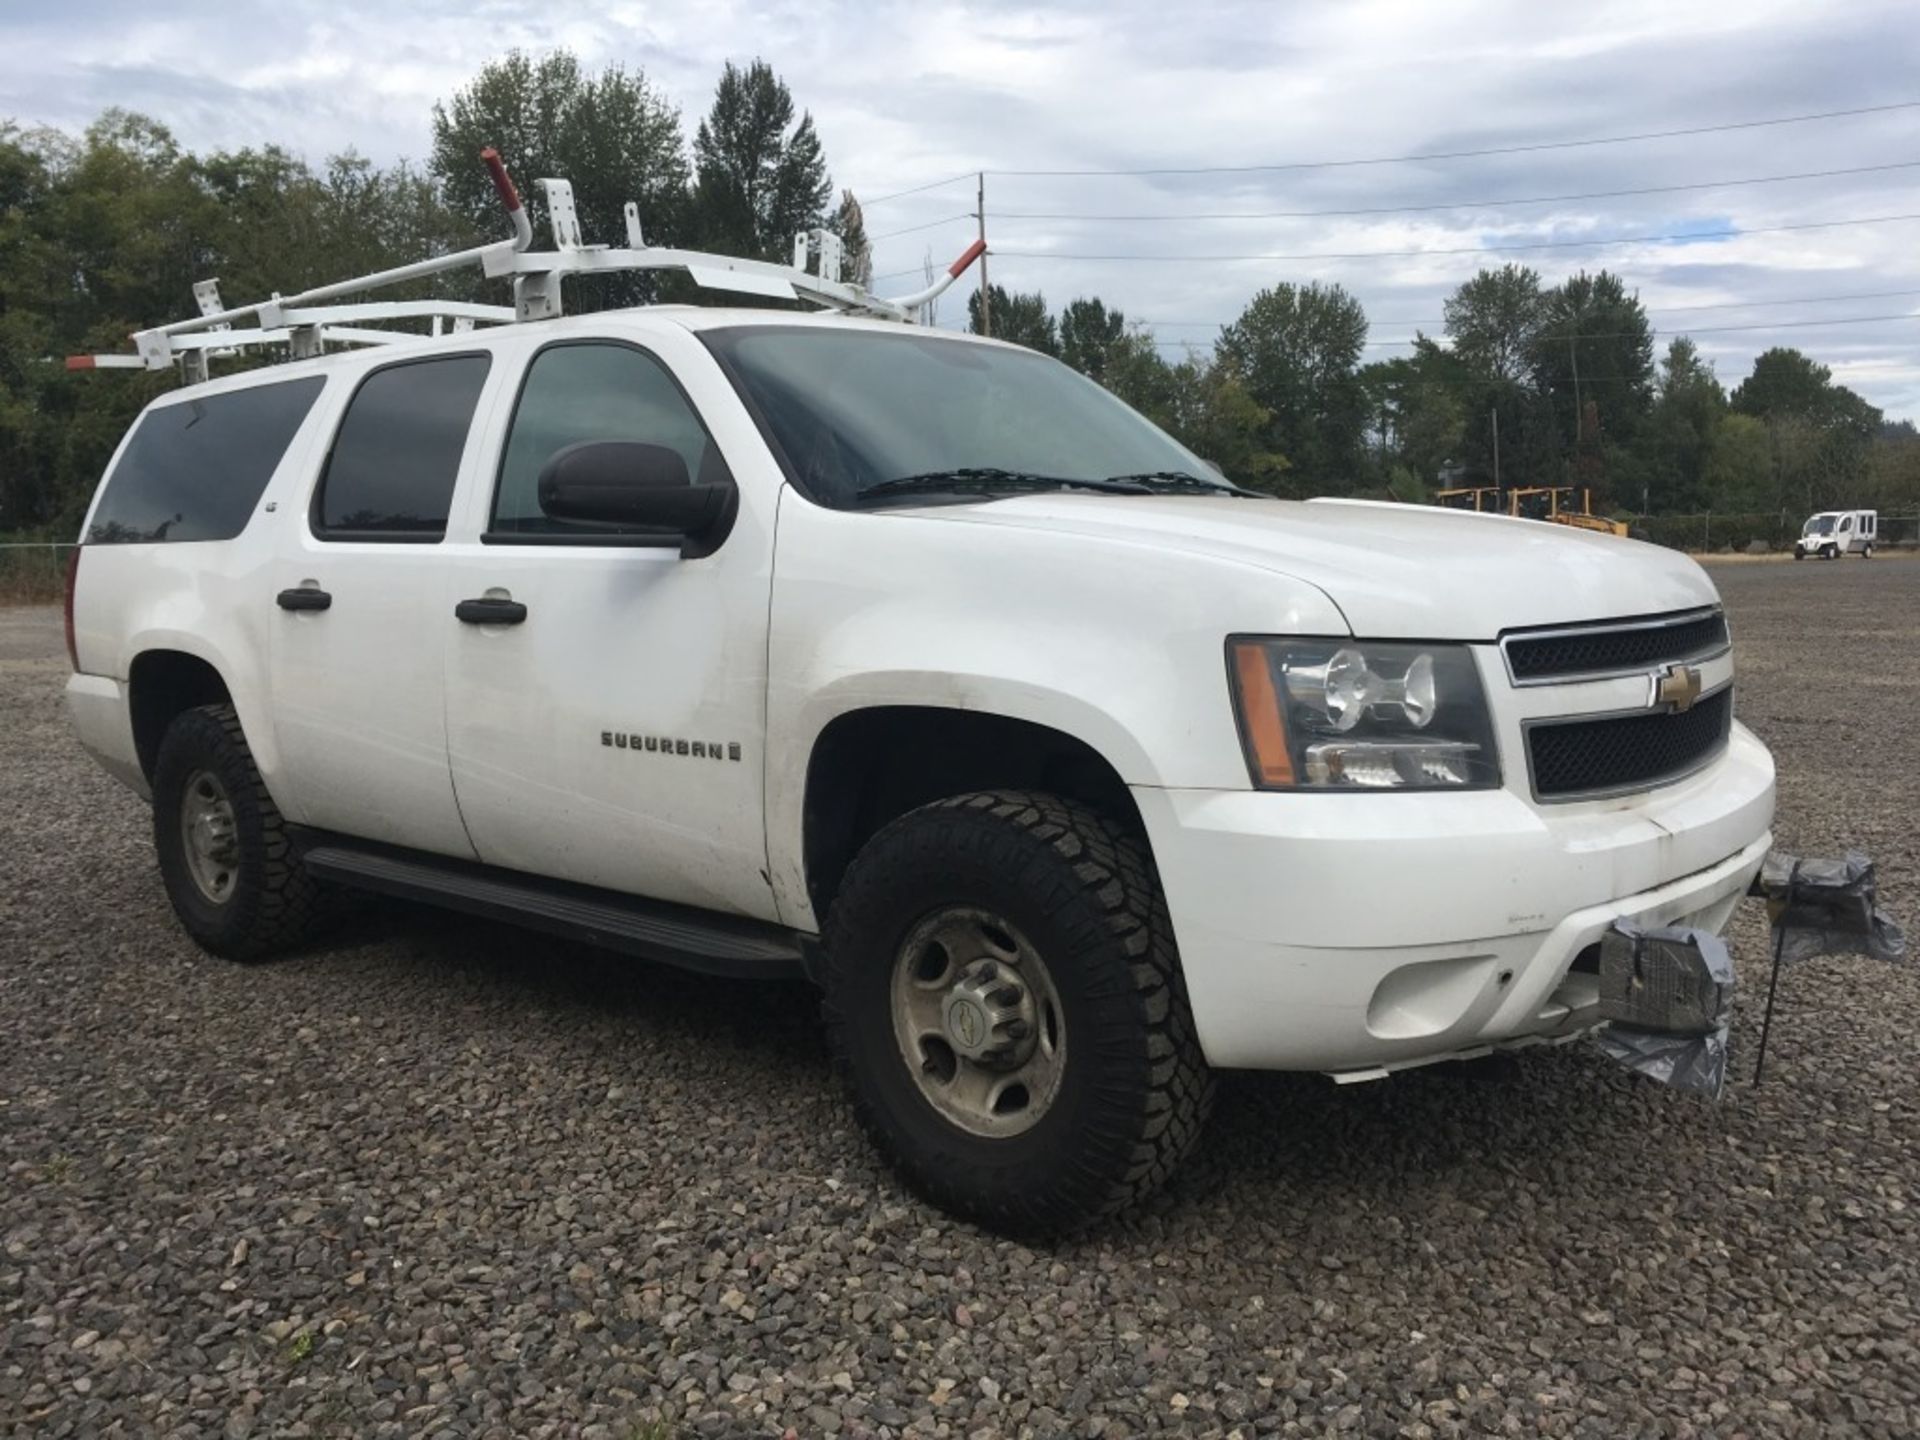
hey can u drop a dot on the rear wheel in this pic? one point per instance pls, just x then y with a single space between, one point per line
1005 1002
228 864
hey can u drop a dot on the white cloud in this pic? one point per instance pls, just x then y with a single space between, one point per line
907 93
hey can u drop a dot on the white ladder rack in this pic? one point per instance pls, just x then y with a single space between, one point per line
307 323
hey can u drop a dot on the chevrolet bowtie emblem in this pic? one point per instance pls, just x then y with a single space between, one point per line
1676 687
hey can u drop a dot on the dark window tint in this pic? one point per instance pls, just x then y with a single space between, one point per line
194 469
397 455
592 392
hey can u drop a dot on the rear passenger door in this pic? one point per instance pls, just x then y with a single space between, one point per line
612 733
364 593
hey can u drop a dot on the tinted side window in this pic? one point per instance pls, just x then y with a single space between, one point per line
397 453
194 470
592 392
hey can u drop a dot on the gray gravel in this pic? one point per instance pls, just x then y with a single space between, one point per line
437 1178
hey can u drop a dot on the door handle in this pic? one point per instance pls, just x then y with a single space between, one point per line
304 597
490 612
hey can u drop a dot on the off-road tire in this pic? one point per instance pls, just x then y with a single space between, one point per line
1135 1088
274 903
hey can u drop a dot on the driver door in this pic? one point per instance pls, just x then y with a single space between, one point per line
614 735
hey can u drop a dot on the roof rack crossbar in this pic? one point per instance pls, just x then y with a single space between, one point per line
306 323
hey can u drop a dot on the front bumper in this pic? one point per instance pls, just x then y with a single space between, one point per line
1359 934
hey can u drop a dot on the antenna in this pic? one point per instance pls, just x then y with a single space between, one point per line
307 323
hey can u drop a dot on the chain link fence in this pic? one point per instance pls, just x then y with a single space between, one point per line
33 572
1755 534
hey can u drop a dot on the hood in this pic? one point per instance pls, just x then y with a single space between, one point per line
1396 571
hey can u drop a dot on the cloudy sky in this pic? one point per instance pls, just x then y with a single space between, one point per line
906 95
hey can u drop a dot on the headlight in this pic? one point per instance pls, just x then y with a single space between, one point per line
1352 715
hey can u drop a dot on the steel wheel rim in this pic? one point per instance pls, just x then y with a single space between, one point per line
209 836
978 1022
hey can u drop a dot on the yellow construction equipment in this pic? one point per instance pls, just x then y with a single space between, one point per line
1552 503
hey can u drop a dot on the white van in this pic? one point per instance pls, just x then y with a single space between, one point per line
1833 533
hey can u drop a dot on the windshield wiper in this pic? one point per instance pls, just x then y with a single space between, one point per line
1161 480
985 480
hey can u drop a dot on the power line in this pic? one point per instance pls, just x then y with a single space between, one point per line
915 190
945 220
1651 309
1698 330
1464 249
1475 154
1457 204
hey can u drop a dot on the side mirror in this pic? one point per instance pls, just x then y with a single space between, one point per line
630 483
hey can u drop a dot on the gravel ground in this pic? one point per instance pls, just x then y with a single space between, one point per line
437 1178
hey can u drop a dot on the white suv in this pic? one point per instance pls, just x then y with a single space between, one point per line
913 663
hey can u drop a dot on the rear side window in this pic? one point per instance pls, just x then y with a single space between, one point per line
195 469
390 474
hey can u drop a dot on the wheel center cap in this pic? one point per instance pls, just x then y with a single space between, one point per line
966 1024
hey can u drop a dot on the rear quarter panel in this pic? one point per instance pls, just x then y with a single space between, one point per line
205 598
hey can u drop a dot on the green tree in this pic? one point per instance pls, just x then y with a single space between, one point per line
1295 352
611 134
1018 319
1592 358
1820 433
1416 414
1090 334
856 261
1216 418
760 177
1493 320
1738 475
1672 451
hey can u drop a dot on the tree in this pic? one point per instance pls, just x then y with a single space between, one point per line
1214 416
1820 433
612 135
1493 320
1295 350
1592 358
1671 454
856 259
1019 319
759 177
1416 415
1089 335
1738 474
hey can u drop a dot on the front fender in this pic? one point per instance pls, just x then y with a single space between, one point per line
1114 642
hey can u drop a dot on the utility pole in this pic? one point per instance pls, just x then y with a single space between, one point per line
986 290
1579 410
1496 446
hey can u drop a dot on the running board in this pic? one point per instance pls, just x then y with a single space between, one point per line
672 934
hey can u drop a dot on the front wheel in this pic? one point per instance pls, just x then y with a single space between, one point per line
1866 552
1004 1000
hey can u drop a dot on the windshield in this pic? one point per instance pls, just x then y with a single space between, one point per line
864 418
1819 525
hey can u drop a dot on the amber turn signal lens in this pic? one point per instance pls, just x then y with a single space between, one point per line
1260 718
